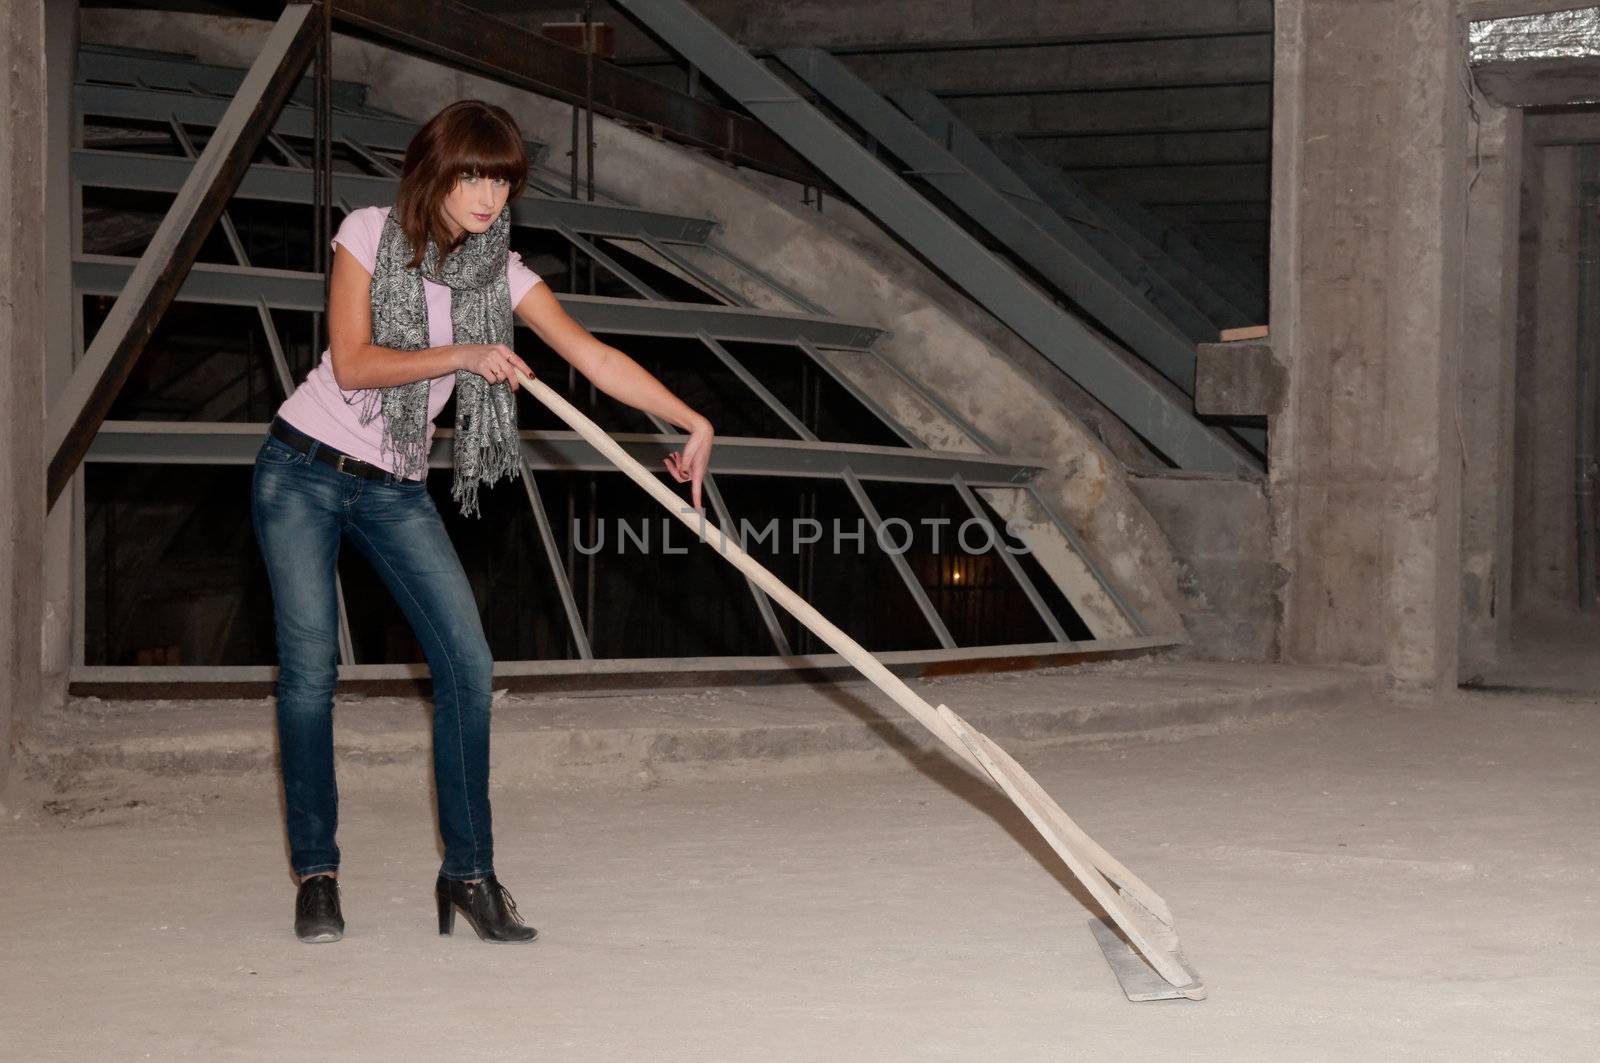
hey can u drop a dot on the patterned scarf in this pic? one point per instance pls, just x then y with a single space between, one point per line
486 440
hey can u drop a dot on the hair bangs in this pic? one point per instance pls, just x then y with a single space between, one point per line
487 148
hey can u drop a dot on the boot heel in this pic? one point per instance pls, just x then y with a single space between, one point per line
447 914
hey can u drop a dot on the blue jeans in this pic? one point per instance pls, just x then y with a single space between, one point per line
301 510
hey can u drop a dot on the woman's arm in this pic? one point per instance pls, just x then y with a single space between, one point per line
359 363
623 379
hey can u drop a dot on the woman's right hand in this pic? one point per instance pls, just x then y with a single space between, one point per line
492 361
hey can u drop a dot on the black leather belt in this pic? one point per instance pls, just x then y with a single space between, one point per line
287 433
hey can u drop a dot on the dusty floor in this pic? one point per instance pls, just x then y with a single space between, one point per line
1374 882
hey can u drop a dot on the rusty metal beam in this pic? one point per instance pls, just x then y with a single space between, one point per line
467 38
150 289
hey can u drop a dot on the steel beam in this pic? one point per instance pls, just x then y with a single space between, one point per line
919 593
1221 275
87 679
940 123
154 281
294 290
1159 412
1070 199
466 38
100 63
1056 252
286 184
234 443
156 105
569 604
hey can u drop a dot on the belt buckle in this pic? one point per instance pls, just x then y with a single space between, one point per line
338 466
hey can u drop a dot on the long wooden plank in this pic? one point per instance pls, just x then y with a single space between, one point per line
1157 943
1108 865
1140 915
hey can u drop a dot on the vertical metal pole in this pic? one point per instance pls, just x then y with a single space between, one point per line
317 236
574 154
1588 365
588 89
325 151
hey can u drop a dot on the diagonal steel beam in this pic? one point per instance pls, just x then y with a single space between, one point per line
1156 410
1240 288
940 123
1060 255
1003 191
1067 196
155 281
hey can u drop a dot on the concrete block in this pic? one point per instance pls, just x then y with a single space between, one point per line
1238 380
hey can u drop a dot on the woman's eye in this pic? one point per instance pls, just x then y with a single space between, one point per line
469 178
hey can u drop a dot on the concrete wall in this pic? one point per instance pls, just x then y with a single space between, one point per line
1545 537
937 337
1221 529
22 342
1488 384
1369 203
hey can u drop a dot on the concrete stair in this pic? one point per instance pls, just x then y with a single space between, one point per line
152 751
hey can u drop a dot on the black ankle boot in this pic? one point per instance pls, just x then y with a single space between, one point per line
316 910
488 907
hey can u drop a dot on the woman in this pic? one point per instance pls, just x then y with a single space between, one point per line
420 307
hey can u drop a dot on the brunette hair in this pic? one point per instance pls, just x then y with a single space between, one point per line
467 137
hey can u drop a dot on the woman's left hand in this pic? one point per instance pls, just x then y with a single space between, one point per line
689 464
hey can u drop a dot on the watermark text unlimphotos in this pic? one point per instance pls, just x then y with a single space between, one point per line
896 535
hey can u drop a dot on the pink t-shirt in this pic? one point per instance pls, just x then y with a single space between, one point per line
323 410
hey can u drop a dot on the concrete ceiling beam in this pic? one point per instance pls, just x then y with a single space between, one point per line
1069 67
1578 125
1219 107
849 25
1182 184
1154 149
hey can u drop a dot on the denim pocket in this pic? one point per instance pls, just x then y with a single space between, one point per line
275 451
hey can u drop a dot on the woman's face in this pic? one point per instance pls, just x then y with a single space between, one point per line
474 203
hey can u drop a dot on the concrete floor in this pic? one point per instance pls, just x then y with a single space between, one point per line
1368 881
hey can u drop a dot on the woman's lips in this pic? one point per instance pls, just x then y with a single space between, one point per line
482 217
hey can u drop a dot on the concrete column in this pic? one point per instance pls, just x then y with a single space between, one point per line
1546 559
63 543
22 341
1368 224
1488 385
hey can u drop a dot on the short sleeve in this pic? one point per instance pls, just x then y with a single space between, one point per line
359 233
519 278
